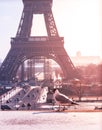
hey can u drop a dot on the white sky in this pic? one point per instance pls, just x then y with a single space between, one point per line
79 21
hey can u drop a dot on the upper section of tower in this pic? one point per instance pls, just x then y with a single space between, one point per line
38 4
36 7
37 1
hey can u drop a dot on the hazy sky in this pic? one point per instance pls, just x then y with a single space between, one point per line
79 21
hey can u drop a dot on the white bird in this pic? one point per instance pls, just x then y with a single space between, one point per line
61 99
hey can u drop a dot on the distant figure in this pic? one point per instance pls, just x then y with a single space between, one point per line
23 106
29 106
61 99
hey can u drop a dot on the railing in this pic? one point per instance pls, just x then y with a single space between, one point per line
35 38
38 39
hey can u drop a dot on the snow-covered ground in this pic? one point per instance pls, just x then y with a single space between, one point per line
50 120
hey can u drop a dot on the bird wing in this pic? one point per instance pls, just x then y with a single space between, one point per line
63 99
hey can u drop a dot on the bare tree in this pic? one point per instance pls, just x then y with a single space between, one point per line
78 88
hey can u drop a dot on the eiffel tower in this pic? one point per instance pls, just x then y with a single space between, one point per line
24 46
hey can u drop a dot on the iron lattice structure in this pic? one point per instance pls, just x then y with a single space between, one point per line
24 46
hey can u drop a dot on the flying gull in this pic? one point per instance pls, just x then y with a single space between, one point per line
61 99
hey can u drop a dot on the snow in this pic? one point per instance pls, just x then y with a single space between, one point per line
50 120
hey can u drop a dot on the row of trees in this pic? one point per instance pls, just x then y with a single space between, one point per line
89 85
91 73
